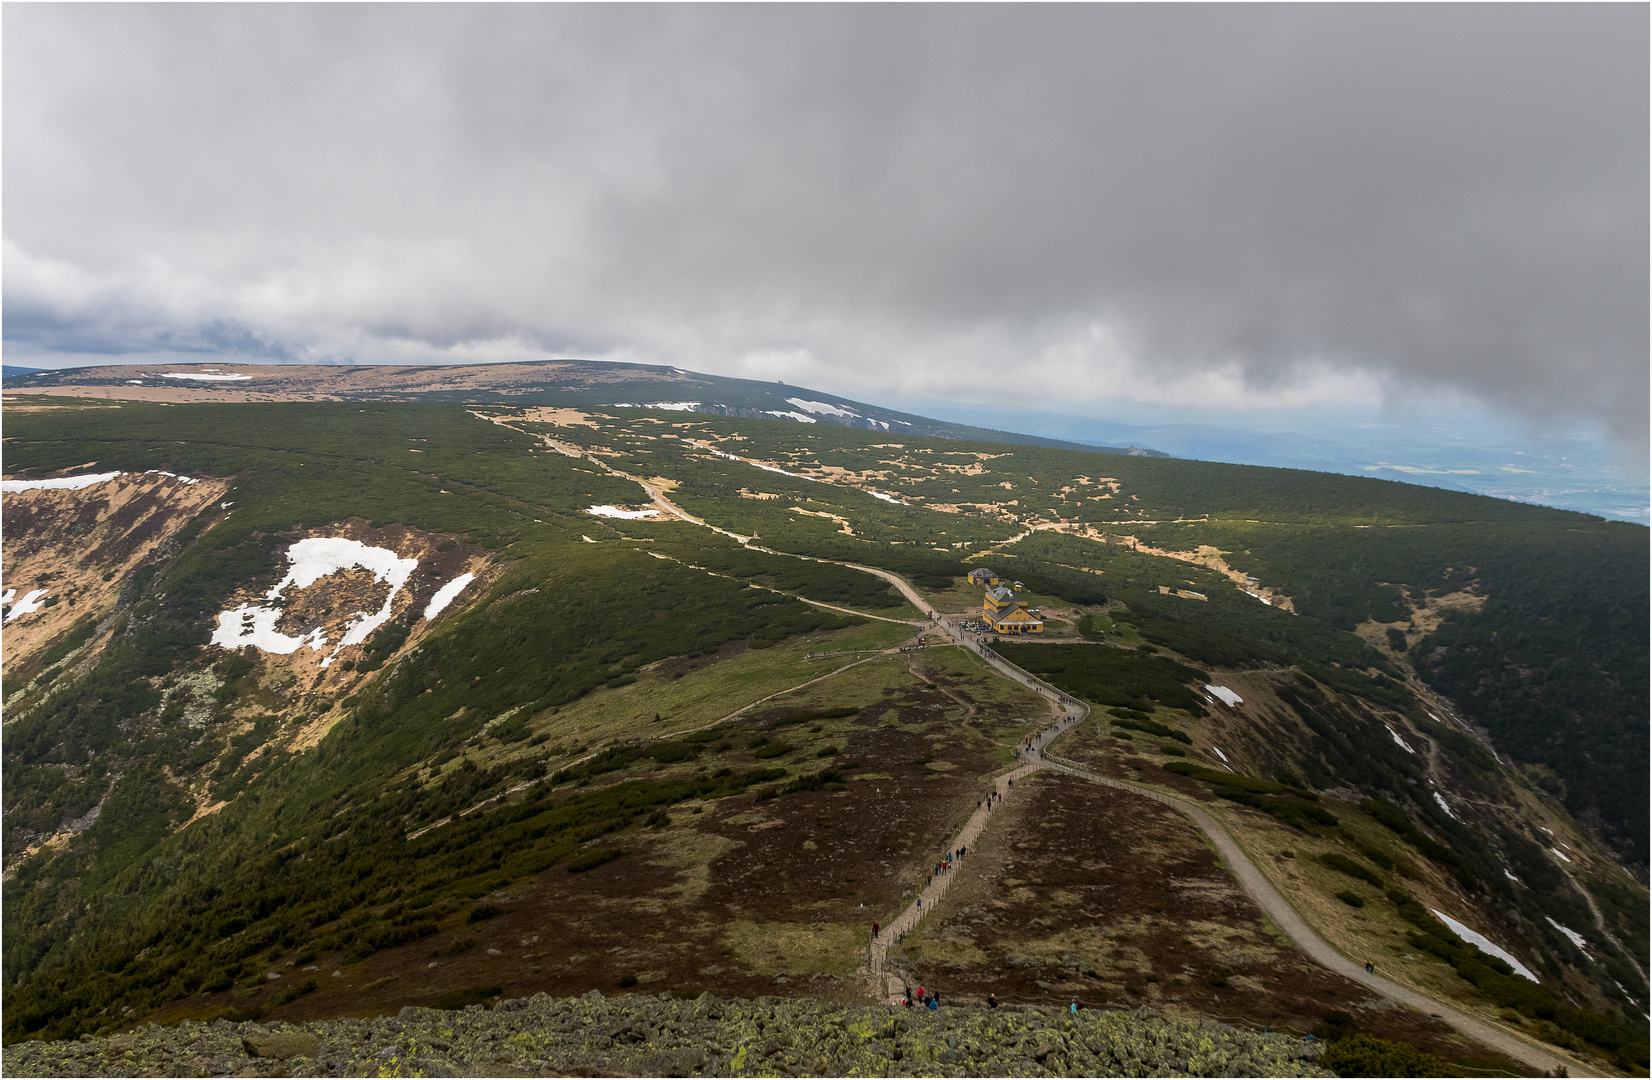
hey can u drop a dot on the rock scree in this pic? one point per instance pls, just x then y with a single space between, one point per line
637 1035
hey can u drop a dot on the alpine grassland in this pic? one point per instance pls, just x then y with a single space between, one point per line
670 731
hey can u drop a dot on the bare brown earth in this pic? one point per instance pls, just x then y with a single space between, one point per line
1090 895
332 601
80 544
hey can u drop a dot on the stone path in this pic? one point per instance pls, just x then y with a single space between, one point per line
892 986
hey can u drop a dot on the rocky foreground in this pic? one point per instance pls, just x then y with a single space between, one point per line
706 1036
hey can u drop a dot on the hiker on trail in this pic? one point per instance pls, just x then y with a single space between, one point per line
1370 968
992 1002
1073 1008
875 929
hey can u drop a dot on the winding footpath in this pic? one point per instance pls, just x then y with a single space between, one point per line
1245 871
1069 712
1305 938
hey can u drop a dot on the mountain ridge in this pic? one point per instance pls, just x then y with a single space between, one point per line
540 382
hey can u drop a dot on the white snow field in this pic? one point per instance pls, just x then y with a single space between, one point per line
1227 696
31 602
312 560
825 408
1561 854
75 483
1572 935
204 377
885 498
616 512
63 483
1392 734
1445 806
669 406
1484 944
444 596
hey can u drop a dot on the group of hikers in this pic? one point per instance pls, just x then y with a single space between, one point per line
945 865
927 999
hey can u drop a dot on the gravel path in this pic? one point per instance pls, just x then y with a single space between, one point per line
1250 878
1070 711
1303 936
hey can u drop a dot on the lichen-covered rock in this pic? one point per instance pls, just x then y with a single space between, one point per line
706 1036
262 1043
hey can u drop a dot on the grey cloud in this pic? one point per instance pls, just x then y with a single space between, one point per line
891 196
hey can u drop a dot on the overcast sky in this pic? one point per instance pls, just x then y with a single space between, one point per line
1279 205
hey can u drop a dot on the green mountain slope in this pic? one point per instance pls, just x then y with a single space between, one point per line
706 734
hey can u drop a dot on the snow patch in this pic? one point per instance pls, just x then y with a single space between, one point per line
1228 696
616 512
1449 812
1259 596
31 602
885 498
205 377
64 483
802 418
825 408
774 469
311 560
8 597
668 406
1392 734
1561 855
444 596
1484 944
1512 878
75 483
1219 753
1571 935
175 476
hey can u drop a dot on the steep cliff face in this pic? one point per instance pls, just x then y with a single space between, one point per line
72 549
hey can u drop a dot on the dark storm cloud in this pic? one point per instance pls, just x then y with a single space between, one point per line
1073 200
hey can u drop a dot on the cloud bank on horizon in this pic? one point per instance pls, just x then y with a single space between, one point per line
1274 204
